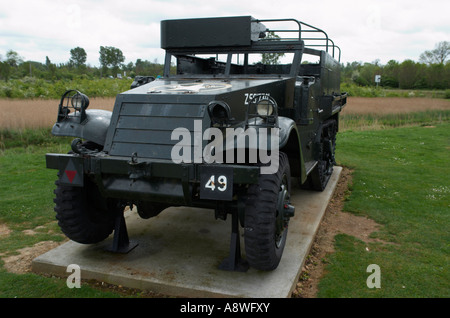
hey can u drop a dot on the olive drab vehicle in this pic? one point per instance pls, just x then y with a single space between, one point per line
243 113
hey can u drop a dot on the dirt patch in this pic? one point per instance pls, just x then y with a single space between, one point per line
21 263
334 222
4 230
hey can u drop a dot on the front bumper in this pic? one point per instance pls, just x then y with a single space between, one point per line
152 180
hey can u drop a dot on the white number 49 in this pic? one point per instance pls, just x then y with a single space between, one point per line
221 183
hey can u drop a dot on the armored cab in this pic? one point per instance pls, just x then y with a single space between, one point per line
242 114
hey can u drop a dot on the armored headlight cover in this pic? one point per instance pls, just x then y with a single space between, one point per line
219 112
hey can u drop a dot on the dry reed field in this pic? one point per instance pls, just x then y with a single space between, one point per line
38 113
393 105
21 114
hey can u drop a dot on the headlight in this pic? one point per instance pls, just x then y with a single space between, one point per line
264 108
80 101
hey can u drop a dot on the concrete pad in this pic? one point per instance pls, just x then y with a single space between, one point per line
180 250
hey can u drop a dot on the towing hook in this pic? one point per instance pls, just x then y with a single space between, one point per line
76 145
133 158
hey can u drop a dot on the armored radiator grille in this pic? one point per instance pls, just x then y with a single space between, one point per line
146 129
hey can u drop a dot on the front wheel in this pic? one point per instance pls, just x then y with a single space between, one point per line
266 220
83 215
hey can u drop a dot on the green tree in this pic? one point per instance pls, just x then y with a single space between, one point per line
51 68
271 58
350 71
47 61
436 76
148 68
77 57
407 75
111 57
13 58
5 71
367 73
437 56
390 72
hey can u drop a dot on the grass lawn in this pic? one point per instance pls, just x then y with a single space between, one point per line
26 203
401 181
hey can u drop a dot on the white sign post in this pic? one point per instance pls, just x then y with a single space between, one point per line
377 79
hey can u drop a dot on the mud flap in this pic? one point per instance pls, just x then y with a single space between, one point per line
70 168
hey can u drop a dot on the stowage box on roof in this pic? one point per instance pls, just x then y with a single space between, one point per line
206 32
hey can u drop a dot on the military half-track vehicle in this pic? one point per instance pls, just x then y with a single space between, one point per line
242 115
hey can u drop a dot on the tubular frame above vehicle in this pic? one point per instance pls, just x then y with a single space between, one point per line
322 36
244 35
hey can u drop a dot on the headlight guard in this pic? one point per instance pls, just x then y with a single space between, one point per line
73 100
264 107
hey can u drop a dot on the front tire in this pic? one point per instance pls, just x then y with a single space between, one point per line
83 215
265 223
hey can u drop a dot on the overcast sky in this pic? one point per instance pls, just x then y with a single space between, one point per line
364 30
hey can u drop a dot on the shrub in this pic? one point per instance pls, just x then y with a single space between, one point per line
29 87
447 93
